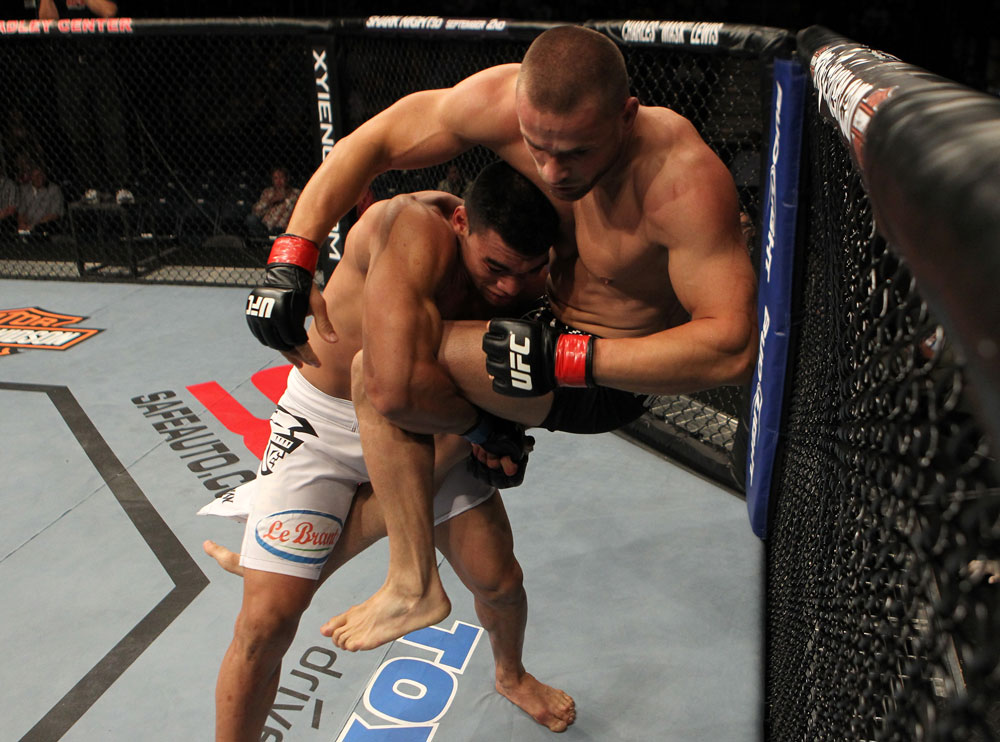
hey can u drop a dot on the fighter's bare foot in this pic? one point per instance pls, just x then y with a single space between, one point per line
385 616
228 560
548 706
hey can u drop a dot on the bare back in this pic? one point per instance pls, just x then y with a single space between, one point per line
345 290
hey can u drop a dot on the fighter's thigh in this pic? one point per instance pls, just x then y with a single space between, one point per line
461 353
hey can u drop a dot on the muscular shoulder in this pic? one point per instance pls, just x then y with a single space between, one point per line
414 233
481 108
682 183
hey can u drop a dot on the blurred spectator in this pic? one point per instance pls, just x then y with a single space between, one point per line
20 142
89 92
271 213
8 204
38 201
23 165
51 10
453 182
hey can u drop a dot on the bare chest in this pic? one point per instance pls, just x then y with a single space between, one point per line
612 277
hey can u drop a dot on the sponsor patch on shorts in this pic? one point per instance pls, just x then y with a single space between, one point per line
303 536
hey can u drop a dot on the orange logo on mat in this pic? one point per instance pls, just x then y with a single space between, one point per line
37 329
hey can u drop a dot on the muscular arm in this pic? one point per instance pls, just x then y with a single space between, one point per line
402 328
425 128
713 279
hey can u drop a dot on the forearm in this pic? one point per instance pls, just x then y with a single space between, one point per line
697 355
426 400
334 189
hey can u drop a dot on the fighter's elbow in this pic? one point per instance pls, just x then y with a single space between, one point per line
390 398
742 366
739 355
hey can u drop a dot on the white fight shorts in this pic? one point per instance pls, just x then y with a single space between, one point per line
307 480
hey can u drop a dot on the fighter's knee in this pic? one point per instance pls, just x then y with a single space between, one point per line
259 633
503 587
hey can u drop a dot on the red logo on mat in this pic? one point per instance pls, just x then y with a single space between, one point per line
234 416
31 328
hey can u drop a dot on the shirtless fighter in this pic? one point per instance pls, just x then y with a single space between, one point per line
650 288
409 263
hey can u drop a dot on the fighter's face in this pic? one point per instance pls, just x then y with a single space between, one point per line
500 273
572 151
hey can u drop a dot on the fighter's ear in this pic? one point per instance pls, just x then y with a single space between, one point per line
630 111
460 220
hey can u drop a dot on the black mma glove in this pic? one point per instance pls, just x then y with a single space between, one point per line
501 438
277 308
528 359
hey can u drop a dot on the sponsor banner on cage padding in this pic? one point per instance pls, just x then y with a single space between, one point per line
774 297
853 81
844 94
66 26
31 328
434 23
695 34
328 131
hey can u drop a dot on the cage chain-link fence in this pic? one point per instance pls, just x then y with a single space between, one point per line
882 622
153 150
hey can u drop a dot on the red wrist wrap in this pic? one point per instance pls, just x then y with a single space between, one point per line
575 360
289 248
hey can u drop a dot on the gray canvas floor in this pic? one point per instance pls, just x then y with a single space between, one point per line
643 579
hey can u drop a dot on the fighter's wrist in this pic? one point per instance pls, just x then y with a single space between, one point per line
294 250
480 430
574 361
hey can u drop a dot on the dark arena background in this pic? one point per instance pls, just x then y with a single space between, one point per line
880 505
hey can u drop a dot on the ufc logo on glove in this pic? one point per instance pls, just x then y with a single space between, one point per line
528 359
520 369
259 306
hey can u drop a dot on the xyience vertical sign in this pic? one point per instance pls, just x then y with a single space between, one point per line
324 75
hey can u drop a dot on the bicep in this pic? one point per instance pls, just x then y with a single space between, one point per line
709 265
429 127
417 131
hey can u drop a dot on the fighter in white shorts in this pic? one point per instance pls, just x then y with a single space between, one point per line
308 479
410 264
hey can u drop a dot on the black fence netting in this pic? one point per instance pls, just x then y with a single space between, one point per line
142 156
882 623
